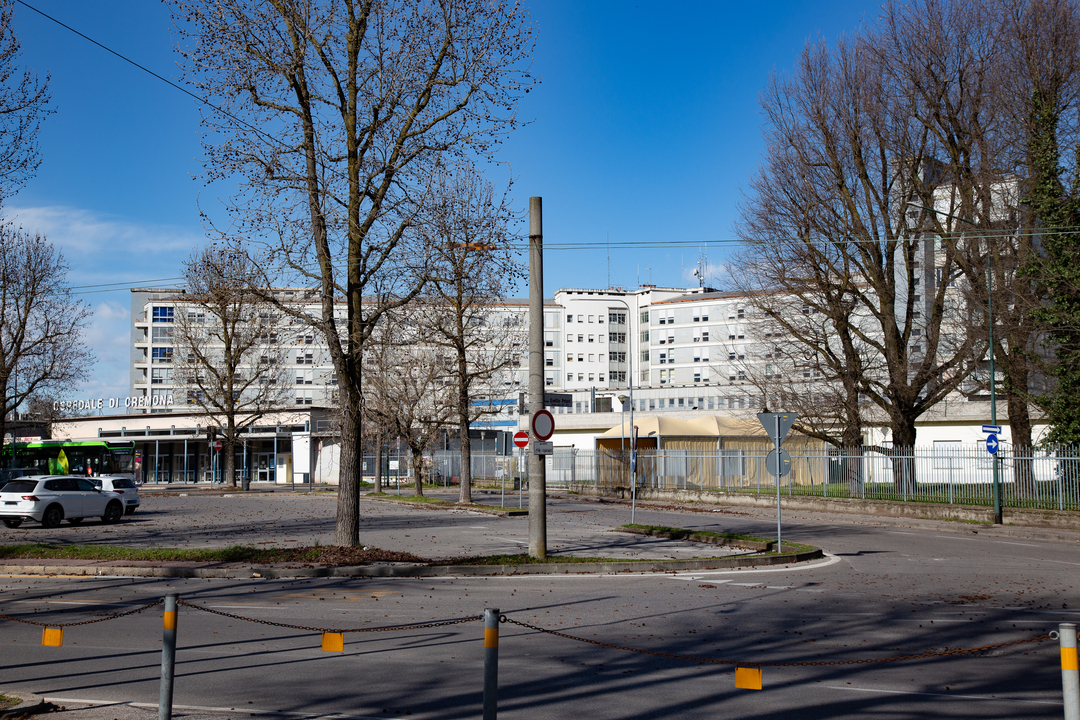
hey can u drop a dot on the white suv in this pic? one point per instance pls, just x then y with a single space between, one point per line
49 499
120 486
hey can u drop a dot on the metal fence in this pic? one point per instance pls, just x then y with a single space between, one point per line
945 473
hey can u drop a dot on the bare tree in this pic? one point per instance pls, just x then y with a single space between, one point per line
229 347
339 112
473 269
846 154
23 104
42 348
406 386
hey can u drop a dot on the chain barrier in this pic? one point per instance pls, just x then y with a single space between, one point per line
84 622
694 658
418 626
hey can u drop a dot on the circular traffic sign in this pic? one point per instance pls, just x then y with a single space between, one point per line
778 462
543 424
521 438
992 444
217 445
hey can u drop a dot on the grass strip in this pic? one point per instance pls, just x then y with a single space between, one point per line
706 533
317 555
6 701
788 546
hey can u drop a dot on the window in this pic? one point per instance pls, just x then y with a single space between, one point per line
549 381
196 316
569 357
601 357
163 314
740 314
652 403
163 354
581 357
601 378
600 319
549 360
731 356
697 334
644 336
592 318
549 339
592 357
705 335
644 321
600 339
697 354
697 376
618 318
569 377
303 397
619 338
308 340
581 377
644 356
697 314
742 374
663 358
705 314
592 338
581 338
163 335
160 376
569 318
592 377
682 402
663 377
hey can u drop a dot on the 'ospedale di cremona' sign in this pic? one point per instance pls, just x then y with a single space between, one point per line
113 403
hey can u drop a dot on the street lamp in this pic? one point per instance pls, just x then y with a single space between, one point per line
990 330
630 389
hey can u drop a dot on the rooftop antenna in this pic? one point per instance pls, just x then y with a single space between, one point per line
609 258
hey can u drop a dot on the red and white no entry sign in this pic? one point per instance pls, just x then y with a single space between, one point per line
217 445
543 424
521 438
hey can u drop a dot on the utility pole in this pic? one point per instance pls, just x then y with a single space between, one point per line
537 479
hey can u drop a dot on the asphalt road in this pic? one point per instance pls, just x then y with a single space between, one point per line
884 591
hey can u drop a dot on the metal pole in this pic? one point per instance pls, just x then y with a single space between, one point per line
491 663
993 376
168 657
537 479
1070 679
776 451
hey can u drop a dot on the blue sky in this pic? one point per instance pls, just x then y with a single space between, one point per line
645 128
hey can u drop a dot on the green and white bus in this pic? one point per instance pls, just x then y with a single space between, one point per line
74 457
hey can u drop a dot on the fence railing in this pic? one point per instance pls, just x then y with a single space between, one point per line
1037 478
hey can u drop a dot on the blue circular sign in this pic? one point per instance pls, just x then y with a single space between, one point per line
992 444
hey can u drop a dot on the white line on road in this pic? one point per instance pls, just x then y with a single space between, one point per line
944 695
832 560
1003 542
205 708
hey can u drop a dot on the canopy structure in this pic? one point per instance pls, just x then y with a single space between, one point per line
659 432
730 427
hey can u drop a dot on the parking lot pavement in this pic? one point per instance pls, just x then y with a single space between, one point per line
297 519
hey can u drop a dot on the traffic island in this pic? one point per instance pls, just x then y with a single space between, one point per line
356 561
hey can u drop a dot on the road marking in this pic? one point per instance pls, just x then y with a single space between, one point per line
832 560
695 577
954 537
928 620
1024 544
898 532
944 695
205 708
519 542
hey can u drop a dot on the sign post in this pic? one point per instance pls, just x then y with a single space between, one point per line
633 475
778 463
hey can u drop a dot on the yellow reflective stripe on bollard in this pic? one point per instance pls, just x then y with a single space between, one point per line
333 642
748 678
491 637
52 637
170 619
1068 659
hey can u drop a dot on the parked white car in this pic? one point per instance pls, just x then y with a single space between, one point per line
50 499
121 486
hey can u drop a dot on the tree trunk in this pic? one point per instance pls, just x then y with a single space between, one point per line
465 478
378 463
347 528
230 451
904 479
418 469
